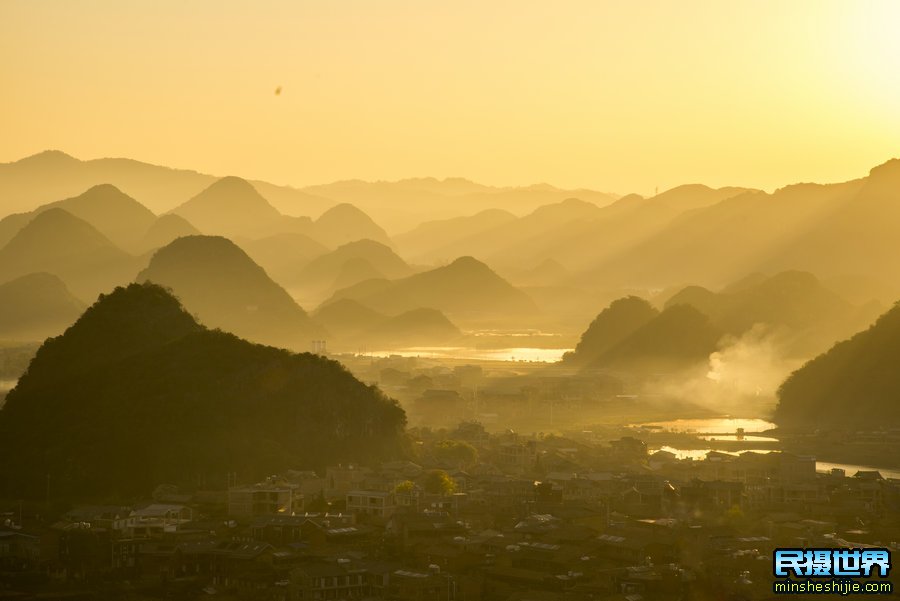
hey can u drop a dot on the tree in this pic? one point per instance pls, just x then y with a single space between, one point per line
438 482
470 430
405 487
455 452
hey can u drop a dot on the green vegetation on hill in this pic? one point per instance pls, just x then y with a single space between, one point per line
136 393
678 338
854 384
610 327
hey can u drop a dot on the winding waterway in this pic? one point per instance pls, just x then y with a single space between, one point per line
726 429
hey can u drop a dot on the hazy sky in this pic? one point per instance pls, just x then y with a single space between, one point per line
620 96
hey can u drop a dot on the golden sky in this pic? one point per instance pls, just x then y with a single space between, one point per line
618 96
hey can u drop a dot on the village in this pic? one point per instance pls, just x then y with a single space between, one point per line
482 516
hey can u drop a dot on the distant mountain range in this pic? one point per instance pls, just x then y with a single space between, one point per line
284 255
218 282
559 261
466 290
233 207
400 205
52 175
165 229
57 242
794 301
348 265
117 216
428 240
36 306
404 204
830 230
355 326
574 232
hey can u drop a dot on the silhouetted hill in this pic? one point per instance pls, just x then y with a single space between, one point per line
283 256
361 290
706 301
218 282
354 325
466 289
856 384
813 315
232 207
116 215
57 242
136 393
510 237
830 230
547 273
418 327
164 230
324 272
679 337
416 243
695 196
35 306
346 318
354 271
345 223
615 323
404 204
401 205
52 175
859 289
578 234
616 228
793 298
848 239
748 281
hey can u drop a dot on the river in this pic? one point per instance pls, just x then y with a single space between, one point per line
530 354
725 429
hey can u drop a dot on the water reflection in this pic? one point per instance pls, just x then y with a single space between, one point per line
700 454
540 355
850 469
737 437
715 425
